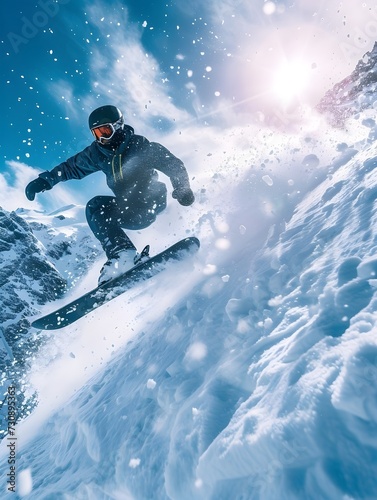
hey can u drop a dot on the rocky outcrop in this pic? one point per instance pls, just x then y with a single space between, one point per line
41 258
354 93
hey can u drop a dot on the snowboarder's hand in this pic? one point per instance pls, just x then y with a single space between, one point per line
36 186
184 196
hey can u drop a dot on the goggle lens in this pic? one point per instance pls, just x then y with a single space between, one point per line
103 132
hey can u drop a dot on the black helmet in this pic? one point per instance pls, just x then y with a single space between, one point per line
103 115
104 122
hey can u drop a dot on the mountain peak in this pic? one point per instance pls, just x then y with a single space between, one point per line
355 93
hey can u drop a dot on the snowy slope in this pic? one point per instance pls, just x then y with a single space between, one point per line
247 372
255 378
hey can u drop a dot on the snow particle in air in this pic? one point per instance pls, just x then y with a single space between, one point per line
134 462
221 225
198 483
267 179
197 351
151 384
25 482
209 269
269 8
222 244
311 161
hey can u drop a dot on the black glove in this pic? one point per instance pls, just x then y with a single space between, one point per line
184 196
36 186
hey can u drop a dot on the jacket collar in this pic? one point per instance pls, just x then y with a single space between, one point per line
120 143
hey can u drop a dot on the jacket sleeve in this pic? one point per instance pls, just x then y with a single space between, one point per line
76 167
164 161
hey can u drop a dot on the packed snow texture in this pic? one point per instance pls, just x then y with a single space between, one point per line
247 372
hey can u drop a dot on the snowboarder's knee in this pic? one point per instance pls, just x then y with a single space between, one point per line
98 203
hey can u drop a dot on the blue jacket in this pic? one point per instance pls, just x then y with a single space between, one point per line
131 170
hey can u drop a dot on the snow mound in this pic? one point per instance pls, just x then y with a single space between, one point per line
253 378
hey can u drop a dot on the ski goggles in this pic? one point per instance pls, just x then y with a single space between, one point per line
105 131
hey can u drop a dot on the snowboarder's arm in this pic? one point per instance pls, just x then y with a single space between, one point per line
173 167
76 167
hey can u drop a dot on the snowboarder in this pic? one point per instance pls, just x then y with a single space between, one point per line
130 163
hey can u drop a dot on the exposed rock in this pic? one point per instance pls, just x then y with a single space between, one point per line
354 93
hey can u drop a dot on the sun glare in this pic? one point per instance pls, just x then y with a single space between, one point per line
290 81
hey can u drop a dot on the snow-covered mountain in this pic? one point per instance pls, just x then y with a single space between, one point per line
41 258
247 372
355 93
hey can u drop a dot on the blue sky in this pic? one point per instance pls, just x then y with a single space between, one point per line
167 65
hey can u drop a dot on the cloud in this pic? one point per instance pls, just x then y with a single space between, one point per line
121 72
125 73
12 189
247 41
65 95
260 36
12 186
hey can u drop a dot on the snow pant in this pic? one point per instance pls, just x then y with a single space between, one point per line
107 216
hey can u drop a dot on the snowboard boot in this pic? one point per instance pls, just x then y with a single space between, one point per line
143 256
117 265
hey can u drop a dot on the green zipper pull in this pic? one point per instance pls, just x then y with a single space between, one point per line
120 168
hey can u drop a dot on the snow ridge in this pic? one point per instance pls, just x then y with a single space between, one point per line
258 383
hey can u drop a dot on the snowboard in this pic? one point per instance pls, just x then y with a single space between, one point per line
81 306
